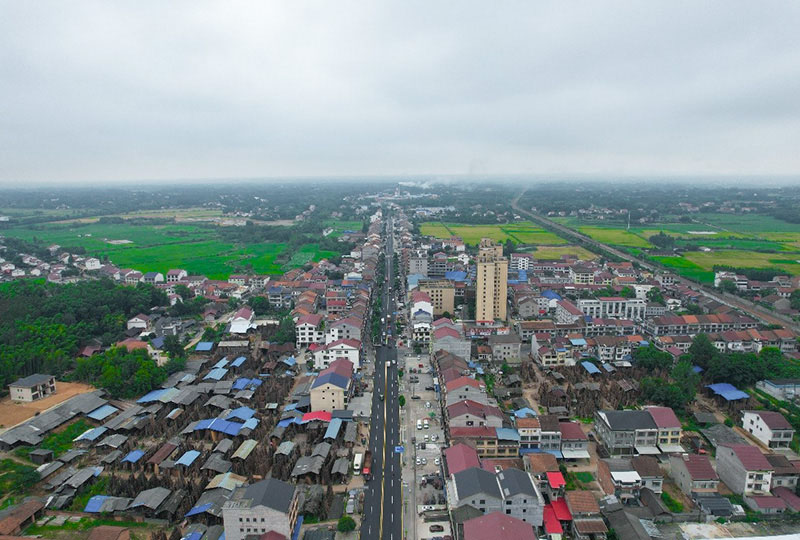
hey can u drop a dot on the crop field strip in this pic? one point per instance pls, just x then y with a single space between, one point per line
743 241
523 232
197 249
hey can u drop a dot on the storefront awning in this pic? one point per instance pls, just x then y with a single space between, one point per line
647 450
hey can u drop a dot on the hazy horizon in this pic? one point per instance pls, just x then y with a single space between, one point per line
100 93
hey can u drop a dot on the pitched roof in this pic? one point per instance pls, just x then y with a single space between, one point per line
629 420
542 462
699 467
475 480
460 457
462 381
773 419
581 502
514 481
664 417
572 431
497 525
473 408
31 380
646 466
272 493
751 457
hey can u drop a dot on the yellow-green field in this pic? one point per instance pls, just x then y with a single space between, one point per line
618 237
745 259
555 252
523 232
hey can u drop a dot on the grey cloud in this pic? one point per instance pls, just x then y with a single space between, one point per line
118 91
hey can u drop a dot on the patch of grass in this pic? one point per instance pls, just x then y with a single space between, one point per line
673 505
555 252
616 237
584 476
100 487
82 525
61 441
740 259
341 226
686 268
16 477
522 232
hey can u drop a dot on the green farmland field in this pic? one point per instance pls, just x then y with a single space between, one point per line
195 248
523 232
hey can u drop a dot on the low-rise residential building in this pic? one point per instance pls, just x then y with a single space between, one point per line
309 329
267 506
442 295
627 432
574 442
744 469
530 432
510 491
567 312
349 349
505 349
784 473
331 389
242 321
650 473
613 307
497 524
769 427
618 477
465 388
468 413
140 321
32 387
587 523
669 429
694 474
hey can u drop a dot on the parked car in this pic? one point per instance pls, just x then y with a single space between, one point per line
419 461
436 528
415 397
427 404
437 461
434 437
424 461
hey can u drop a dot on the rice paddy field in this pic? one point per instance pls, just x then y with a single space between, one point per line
555 252
523 232
196 248
341 227
742 241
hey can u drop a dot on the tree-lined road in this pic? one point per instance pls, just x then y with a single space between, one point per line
383 504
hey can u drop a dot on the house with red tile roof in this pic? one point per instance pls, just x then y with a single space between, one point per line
497 525
769 427
744 469
460 457
669 429
309 329
586 520
467 413
465 388
694 474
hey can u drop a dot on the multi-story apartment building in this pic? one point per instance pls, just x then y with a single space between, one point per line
441 293
491 283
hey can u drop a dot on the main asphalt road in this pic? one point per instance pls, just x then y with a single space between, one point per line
383 505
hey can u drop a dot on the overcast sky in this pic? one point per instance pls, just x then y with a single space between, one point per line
151 90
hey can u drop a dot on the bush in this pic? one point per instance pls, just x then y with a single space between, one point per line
672 504
346 524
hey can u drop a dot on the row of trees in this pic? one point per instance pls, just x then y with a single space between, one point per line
43 325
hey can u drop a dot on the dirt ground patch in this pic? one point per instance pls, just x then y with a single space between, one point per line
12 413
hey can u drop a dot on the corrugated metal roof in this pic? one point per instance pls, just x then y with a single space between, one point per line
245 449
103 412
188 458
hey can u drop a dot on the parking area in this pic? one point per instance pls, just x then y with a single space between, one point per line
424 440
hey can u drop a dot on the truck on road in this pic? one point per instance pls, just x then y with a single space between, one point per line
367 470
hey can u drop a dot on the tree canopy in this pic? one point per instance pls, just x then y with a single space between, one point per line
43 325
123 373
